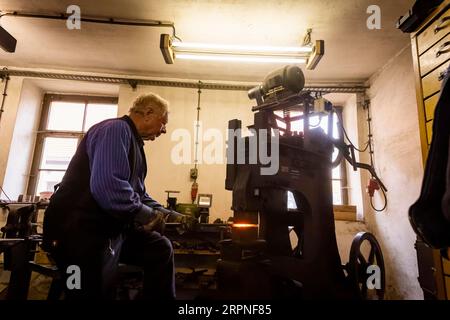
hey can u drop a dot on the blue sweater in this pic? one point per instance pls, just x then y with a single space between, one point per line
108 147
103 191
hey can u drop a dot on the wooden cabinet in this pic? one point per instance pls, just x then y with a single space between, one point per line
434 28
431 57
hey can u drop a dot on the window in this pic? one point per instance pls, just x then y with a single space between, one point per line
339 175
64 121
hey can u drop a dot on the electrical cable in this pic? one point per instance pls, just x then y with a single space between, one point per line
6 79
194 187
371 152
197 125
1 190
318 124
307 38
369 120
366 144
174 34
385 202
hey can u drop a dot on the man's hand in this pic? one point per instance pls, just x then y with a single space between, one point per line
156 224
187 221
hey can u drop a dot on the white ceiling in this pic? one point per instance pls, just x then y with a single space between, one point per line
352 51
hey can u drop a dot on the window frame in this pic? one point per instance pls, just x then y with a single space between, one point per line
342 165
43 133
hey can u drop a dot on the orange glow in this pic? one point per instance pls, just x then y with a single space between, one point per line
244 225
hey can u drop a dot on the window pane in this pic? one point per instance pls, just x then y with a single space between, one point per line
336 172
58 152
66 116
336 125
337 192
97 112
316 121
335 154
48 179
281 124
297 126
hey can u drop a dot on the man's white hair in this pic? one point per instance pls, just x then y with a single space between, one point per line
150 102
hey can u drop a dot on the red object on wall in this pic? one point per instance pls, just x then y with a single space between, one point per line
372 186
194 190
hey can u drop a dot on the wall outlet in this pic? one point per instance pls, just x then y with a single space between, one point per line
194 174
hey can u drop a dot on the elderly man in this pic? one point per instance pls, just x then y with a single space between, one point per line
101 211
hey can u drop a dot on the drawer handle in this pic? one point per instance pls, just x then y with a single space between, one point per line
442 75
443 49
439 26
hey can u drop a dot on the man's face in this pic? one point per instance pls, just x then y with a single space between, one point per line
154 126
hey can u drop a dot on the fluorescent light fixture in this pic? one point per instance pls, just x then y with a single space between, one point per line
7 41
238 58
189 46
165 44
314 58
309 55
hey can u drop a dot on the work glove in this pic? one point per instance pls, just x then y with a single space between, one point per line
187 221
157 223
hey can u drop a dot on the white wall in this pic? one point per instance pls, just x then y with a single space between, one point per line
23 140
398 162
217 107
8 121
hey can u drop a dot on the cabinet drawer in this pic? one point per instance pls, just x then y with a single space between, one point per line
430 105
435 32
429 125
426 267
447 287
446 266
436 56
431 83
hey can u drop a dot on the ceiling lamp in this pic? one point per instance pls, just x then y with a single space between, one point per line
307 54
